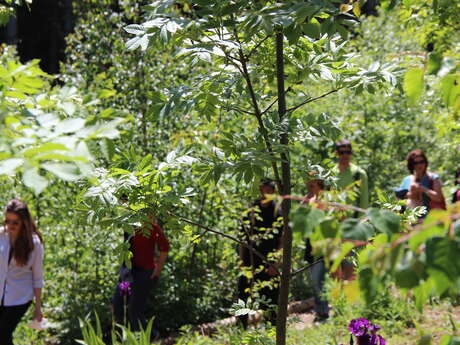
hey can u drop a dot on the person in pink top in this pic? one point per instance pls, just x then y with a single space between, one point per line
136 284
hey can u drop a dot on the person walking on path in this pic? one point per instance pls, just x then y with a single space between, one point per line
456 194
423 188
318 271
261 232
136 284
21 268
348 173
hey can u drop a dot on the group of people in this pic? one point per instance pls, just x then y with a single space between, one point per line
420 188
21 248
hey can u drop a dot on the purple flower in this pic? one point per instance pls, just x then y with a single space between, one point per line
365 332
358 327
125 288
374 328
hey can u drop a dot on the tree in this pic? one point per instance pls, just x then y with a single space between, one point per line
243 43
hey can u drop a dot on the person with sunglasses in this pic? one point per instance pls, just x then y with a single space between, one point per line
421 187
348 176
348 173
21 268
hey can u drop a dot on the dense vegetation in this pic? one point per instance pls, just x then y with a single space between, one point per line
185 123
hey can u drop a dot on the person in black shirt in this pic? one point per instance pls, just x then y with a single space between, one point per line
261 231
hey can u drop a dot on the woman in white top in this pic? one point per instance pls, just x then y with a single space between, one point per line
21 268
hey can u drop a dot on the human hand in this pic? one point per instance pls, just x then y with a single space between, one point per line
37 315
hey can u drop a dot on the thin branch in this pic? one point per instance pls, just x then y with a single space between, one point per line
240 110
268 108
332 204
306 267
257 113
233 238
313 99
257 46
416 229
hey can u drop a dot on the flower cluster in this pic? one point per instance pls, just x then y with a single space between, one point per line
125 288
365 332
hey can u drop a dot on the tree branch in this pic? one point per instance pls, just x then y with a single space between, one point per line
257 46
230 237
306 267
244 71
313 99
268 108
240 110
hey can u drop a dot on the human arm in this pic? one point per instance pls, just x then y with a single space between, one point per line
435 193
163 245
37 315
37 280
159 265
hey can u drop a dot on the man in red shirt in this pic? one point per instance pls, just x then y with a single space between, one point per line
145 273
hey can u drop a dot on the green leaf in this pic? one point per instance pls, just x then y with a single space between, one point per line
329 228
406 278
66 172
422 236
305 220
434 63
384 221
9 166
135 29
346 248
34 180
450 85
442 255
369 284
70 126
44 148
353 229
422 293
447 339
413 84
312 30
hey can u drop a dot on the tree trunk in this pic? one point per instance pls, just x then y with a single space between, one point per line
286 190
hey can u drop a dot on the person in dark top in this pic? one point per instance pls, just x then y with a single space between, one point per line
315 187
261 231
456 194
135 284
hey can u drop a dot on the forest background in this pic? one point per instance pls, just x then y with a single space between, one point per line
168 129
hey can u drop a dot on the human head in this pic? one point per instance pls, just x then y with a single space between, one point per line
344 151
20 225
417 161
315 186
267 186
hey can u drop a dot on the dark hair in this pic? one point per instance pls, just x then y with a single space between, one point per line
268 182
343 143
411 159
457 174
24 243
319 181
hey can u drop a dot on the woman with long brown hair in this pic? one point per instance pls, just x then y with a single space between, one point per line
21 268
422 188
